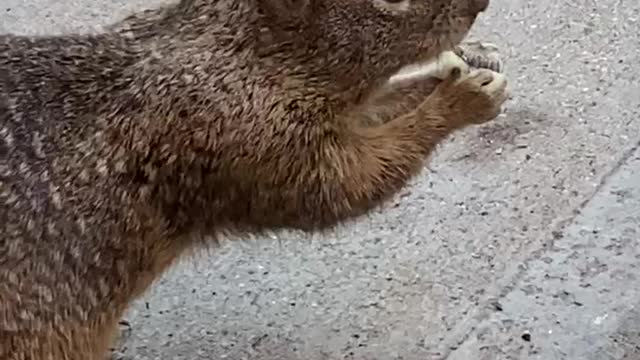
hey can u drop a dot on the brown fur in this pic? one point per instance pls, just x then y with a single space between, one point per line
121 151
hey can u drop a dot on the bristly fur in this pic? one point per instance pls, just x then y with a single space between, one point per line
119 151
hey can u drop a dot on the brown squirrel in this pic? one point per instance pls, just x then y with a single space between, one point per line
122 151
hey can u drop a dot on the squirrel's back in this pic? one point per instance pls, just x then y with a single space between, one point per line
80 116
54 204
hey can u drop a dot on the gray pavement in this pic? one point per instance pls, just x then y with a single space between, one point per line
519 242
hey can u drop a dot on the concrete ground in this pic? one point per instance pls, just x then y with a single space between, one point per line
519 242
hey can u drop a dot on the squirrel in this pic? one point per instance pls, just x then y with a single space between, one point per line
122 151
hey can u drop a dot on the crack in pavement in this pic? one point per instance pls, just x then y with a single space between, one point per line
482 313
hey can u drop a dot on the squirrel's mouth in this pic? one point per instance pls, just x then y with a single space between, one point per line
441 42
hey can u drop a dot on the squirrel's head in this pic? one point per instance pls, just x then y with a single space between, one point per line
372 38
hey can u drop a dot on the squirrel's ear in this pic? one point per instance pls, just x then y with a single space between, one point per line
286 9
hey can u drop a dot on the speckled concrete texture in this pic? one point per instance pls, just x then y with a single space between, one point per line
520 241
577 298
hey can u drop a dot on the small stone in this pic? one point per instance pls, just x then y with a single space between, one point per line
497 306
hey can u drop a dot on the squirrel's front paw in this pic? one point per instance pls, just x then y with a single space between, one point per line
471 98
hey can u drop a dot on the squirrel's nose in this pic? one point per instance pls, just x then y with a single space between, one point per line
478 5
